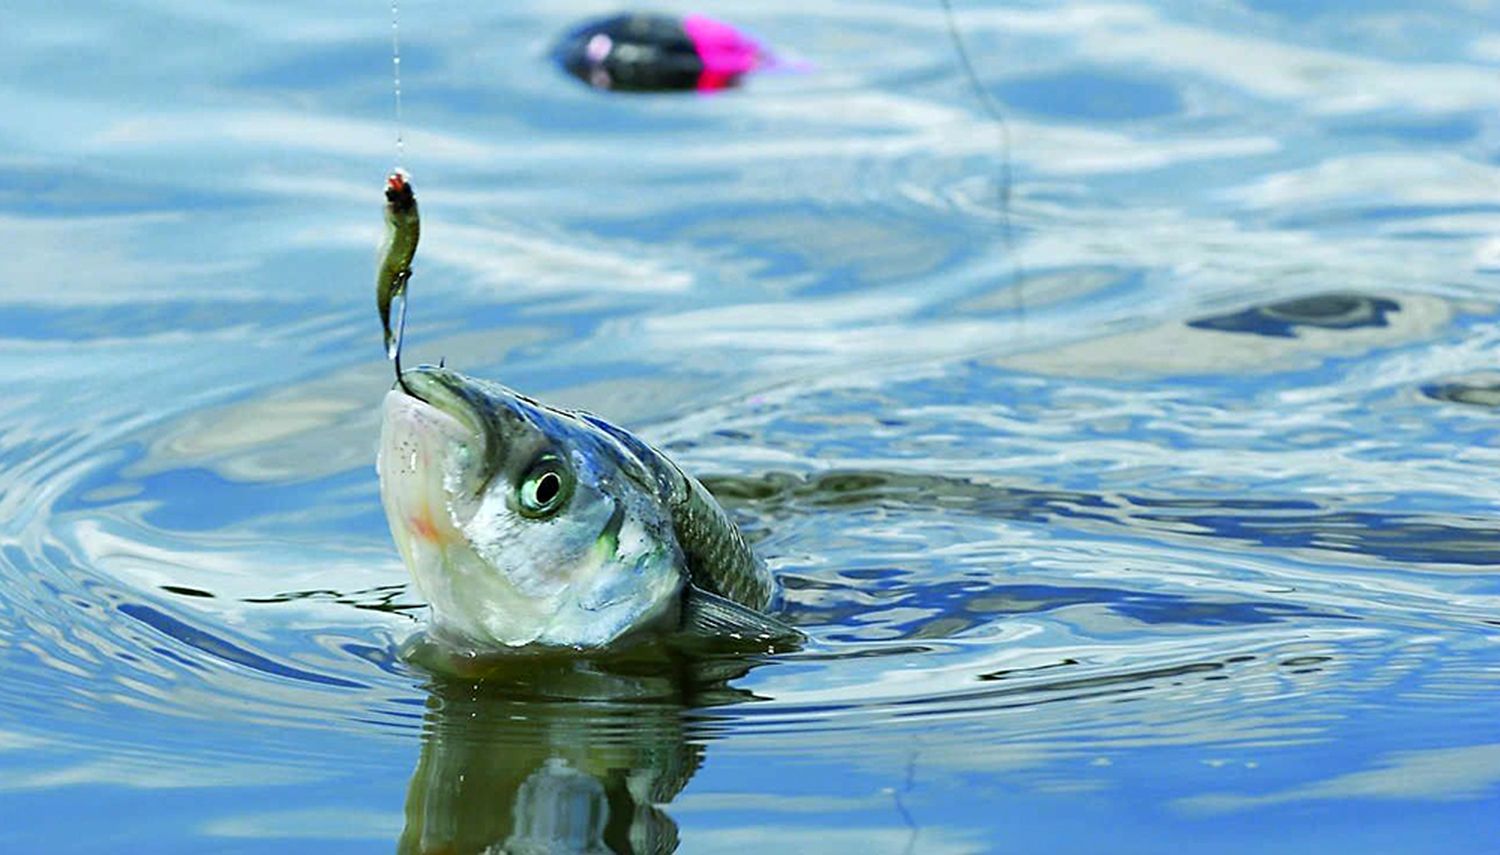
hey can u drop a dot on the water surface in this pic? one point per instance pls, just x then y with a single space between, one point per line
1154 510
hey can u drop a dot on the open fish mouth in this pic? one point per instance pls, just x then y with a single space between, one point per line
415 448
453 396
447 392
437 455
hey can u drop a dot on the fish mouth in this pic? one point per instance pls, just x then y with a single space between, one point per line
434 443
445 390
455 396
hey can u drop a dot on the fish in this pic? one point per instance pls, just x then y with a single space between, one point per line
528 526
403 229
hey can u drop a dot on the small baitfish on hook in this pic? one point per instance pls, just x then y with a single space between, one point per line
403 227
639 52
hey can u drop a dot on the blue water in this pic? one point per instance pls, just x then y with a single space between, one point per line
1153 511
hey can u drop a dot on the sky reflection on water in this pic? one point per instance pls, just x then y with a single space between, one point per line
1170 523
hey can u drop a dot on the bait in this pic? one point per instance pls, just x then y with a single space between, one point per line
403 227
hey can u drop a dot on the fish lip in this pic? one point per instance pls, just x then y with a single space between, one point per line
443 390
451 394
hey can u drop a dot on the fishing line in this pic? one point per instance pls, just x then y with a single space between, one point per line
992 108
396 79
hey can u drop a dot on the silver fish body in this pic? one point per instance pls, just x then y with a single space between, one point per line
525 525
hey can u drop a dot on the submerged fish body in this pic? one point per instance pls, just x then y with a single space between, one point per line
524 525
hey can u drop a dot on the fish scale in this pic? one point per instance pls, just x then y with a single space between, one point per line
719 559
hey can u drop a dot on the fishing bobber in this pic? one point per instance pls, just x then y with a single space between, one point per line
658 53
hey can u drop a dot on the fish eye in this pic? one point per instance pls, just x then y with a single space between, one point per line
546 487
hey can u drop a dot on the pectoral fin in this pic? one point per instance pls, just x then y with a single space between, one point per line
712 618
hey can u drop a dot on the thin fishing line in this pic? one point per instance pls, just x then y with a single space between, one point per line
396 79
992 108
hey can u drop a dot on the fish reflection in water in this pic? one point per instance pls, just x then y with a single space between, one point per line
559 754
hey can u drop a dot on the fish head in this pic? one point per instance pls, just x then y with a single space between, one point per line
521 524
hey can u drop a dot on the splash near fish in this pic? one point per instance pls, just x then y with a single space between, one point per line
658 53
403 228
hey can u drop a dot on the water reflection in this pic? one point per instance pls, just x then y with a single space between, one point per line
562 755
1325 311
1480 390
1274 522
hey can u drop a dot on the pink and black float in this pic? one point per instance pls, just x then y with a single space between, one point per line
659 53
